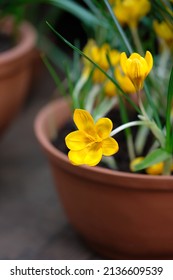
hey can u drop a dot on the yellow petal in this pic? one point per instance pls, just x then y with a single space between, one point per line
123 61
136 72
91 155
77 140
94 154
109 146
84 121
103 127
110 89
134 55
155 169
134 162
134 69
114 57
77 157
124 81
149 61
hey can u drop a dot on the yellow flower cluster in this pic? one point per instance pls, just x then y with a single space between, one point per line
99 55
108 72
130 74
92 140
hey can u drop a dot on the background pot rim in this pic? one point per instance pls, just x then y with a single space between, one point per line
26 43
162 182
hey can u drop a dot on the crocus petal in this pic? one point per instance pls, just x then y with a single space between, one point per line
134 162
136 72
123 60
134 69
155 169
149 61
84 121
94 154
77 140
77 157
109 146
135 55
91 155
103 127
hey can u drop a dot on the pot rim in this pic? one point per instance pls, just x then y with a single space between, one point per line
27 40
99 172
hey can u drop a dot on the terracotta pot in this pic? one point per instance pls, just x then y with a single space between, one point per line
16 66
120 215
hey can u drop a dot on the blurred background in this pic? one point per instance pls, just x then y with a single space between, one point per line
32 221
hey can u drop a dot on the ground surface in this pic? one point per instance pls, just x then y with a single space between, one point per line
32 221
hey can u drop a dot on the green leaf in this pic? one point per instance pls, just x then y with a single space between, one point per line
82 13
163 10
96 65
168 114
104 107
54 75
119 28
154 157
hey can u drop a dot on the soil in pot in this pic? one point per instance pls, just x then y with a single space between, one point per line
6 42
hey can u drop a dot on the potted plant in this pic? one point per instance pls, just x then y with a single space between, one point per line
17 53
122 108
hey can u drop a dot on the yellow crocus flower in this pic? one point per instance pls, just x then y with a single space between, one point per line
164 31
136 67
91 141
131 11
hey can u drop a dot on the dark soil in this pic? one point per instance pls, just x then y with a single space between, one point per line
6 42
122 158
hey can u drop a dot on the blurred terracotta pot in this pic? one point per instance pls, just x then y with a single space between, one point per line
16 66
120 215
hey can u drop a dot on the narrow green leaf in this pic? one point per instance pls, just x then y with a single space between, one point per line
153 106
163 9
54 75
104 107
168 113
154 157
56 55
119 28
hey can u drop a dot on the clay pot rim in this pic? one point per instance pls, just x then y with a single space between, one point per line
96 172
26 42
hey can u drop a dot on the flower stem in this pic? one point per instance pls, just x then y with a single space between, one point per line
141 106
136 39
77 90
90 100
130 146
126 125
165 56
